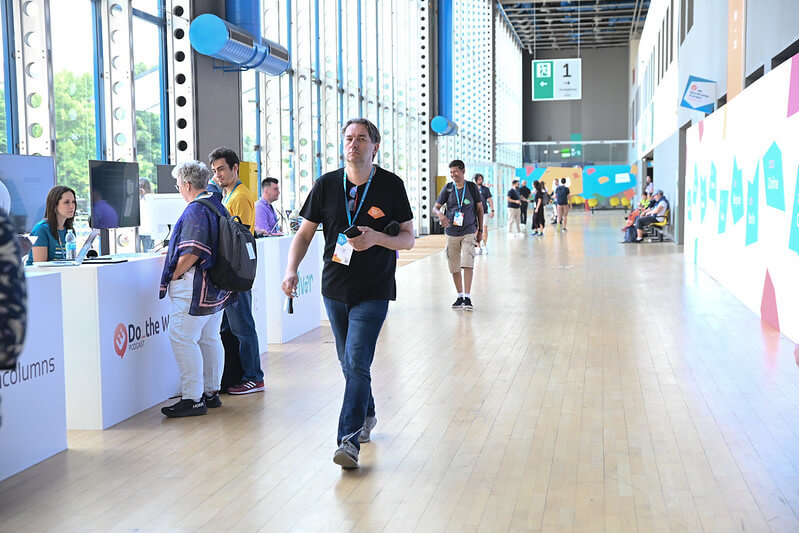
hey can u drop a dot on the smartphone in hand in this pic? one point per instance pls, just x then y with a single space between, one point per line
352 231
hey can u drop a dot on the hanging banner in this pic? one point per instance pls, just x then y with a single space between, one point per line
557 79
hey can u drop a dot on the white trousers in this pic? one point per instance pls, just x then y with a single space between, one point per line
195 341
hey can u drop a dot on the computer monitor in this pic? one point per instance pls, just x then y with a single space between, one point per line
26 179
165 183
114 189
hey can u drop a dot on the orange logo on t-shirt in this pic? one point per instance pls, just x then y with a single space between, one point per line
375 212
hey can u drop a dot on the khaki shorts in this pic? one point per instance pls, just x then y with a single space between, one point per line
460 252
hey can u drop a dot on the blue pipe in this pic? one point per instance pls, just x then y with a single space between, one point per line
214 37
443 123
245 14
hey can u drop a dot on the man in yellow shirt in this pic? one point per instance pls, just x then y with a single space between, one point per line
240 202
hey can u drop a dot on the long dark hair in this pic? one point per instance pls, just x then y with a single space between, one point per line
537 185
53 197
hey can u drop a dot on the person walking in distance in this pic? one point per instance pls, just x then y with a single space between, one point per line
524 196
463 225
354 204
488 212
514 204
562 202
538 209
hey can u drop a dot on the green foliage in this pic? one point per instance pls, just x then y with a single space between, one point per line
74 127
75 131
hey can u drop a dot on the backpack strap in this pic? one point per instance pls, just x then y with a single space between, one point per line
209 205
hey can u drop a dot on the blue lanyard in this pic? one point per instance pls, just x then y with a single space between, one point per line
462 198
350 218
227 198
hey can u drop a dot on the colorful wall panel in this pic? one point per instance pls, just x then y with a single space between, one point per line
744 179
598 181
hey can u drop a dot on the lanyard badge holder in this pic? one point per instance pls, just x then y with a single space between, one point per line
457 220
343 251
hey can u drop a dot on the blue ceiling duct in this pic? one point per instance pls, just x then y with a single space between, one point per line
238 42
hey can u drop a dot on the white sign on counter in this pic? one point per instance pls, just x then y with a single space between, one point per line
32 399
117 355
282 326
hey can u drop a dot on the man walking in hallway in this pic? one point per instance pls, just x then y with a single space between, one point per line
514 204
237 319
464 228
354 204
524 196
488 211
562 203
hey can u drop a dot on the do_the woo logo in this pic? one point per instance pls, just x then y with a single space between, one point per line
133 337
120 340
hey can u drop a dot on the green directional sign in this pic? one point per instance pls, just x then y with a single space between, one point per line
543 80
557 79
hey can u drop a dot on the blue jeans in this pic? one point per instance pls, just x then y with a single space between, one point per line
238 320
355 329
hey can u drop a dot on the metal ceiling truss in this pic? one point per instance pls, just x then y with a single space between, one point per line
559 24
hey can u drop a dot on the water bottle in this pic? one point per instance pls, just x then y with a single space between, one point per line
71 245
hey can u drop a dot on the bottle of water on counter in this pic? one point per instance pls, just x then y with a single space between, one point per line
71 245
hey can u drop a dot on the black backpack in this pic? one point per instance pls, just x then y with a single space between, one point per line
236 258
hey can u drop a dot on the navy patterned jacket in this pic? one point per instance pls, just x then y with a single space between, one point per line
13 295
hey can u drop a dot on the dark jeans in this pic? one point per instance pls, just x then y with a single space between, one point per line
355 329
523 214
642 222
238 320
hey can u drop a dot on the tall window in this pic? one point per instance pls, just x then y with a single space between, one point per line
73 80
249 116
147 86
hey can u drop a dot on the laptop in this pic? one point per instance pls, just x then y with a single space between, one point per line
79 259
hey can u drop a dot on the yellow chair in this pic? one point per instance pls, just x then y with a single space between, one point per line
614 202
626 203
660 225
592 203
577 200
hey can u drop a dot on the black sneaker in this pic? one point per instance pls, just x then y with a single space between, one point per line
458 303
185 408
212 401
467 304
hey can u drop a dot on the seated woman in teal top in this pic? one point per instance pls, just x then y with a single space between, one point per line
49 235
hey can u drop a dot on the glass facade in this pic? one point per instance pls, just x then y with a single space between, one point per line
349 58
72 34
148 96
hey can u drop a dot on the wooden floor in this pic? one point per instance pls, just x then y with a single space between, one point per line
596 387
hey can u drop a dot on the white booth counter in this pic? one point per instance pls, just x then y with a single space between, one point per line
267 292
117 355
32 400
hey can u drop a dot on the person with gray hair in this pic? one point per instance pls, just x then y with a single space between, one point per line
195 314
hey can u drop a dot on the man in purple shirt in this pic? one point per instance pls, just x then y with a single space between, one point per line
265 216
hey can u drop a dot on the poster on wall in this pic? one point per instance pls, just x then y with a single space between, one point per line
699 94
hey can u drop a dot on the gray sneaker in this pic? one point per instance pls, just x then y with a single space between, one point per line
346 455
368 425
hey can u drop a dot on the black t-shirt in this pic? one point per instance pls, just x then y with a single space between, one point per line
470 198
524 192
539 195
562 195
370 274
485 194
513 194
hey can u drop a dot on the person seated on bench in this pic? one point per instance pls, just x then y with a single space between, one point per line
653 214
646 201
